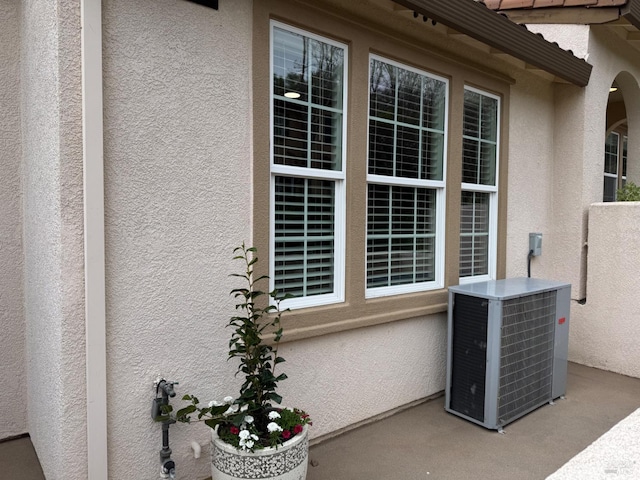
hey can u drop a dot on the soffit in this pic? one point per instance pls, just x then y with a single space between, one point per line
473 20
621 16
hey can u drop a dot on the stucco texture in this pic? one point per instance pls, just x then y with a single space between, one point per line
178 199
580 254
53 247
13 394
177 125
605 331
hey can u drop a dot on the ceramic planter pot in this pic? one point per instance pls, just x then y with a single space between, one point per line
287 462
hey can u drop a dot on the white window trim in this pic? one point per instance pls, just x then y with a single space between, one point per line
339 177
438 185
493 201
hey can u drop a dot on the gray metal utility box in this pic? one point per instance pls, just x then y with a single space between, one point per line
508 347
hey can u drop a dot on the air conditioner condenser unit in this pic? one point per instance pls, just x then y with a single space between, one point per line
508 343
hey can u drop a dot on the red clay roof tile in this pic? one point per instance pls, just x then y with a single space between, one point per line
548 3
516 4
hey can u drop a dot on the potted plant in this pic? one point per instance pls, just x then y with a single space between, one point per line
252 437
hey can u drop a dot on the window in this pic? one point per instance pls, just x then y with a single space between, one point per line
615 165
307 166
405 179
356 193
478 220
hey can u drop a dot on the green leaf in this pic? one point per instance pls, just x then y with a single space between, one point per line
212 422
182 415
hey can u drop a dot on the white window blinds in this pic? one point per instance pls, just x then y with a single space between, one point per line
478 207
307 166
405 192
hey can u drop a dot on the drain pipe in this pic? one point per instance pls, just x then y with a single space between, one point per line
94 254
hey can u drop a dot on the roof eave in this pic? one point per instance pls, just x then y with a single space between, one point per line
631 12
497 31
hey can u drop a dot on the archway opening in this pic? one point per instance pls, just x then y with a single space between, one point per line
616 143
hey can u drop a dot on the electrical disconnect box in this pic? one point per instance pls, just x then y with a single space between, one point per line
535 244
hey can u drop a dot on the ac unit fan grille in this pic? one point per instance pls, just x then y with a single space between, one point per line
469 358
526 355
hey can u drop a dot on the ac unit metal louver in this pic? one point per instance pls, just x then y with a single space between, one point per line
508 348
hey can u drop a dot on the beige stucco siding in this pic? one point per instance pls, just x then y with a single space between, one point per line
53 248
606 329
582 255
177 201
529 203
13 394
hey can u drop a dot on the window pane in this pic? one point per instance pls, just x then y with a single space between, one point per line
409 97
480 129
307 116
487 171
611 153
326 144
400 235
610 187
382 91
381 148
407 152
326 74
304 236
469 160
489 119
290 64
624 156
290 133
406 125
471 120
434 102
307 108
474 233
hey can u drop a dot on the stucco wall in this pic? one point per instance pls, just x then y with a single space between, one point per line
578 180
13 394
177 201
605 331
53 250
530 174
178 194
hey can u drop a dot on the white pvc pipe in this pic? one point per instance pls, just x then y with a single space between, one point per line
197 449
94 253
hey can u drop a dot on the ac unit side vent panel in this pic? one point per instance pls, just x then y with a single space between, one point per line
469 357
526 353
507 348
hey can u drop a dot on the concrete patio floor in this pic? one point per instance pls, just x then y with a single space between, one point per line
426 443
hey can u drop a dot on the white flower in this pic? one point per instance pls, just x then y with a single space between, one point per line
231 410
273 415
248 419
215 403
254 436
244 434
274 427
227 399
244 408
249 443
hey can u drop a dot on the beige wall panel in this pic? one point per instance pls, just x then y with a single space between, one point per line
605 331
13 394
53 243
177 83
529 203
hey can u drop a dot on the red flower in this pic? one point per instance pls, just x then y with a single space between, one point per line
297 429
234 430
286 434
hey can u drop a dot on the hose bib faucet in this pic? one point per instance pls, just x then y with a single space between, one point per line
164 391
